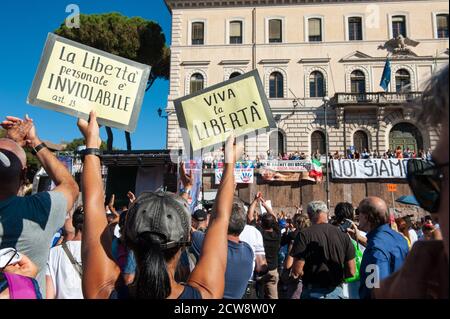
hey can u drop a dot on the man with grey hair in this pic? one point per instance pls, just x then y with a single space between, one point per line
323 256
29 223
240 254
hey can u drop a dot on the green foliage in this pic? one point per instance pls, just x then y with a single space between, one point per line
134 38
72 146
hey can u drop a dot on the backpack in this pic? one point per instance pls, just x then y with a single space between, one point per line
20 287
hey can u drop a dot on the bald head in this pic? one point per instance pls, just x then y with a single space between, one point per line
13 161
375 210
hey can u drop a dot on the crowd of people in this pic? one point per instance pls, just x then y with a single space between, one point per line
156 248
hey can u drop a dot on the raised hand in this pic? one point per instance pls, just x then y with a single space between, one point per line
233 150
186 179
90 131
21 131
131 197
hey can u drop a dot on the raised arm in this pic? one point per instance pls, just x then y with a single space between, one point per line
100 272
24 133
209 274
251 210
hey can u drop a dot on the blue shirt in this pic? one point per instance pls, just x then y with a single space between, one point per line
239 265
387 249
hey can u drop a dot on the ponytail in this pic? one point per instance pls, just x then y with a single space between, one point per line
152 280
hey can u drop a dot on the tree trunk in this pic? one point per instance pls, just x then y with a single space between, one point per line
109 143
128 138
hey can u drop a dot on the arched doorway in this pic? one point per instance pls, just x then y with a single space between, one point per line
276 143
406 136
360 141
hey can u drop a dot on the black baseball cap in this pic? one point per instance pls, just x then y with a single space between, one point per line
200 215
160 218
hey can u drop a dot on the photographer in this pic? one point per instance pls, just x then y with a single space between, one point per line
344 216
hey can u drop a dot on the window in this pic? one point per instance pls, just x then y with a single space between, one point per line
234 74
442 25
198 33
276 85
358 82
315 30
197 83
316 84
275 31
236 32
402 81
276 143
398 26
360 141
355 28
318 143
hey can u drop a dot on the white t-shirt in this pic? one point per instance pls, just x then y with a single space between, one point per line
413 236
253 237
66 280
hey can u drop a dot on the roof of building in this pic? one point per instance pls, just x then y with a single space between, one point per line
195 4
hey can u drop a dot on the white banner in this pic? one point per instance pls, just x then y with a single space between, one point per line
369 168
287 166
241 175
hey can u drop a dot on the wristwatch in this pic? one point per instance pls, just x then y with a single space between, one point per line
91 151
38 148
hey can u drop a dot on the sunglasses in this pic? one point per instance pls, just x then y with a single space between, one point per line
425 180
7 256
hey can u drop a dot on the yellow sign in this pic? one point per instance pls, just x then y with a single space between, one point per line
238 105
75 79
392 188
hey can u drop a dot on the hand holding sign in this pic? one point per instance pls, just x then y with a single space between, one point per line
90 131
236 106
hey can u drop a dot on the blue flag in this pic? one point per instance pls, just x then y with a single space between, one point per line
386 77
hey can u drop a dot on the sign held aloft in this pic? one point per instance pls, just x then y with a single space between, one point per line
209 116
75 79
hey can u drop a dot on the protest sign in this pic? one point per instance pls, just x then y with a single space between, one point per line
291 171
194 168
241 175
238 105
75 79
369 168
273 176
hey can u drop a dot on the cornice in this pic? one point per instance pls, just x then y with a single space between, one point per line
198 4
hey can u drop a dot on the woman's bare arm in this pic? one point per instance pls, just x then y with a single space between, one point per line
209 274
100 272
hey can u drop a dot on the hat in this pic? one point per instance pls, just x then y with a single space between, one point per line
159 218
200 215
4 160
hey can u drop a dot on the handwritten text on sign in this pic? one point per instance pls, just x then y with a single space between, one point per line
75 79
238 106
369 168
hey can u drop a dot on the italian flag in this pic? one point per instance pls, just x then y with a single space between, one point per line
316 170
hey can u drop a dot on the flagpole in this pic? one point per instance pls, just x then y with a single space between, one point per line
326 100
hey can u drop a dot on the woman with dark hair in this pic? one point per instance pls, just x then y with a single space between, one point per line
157 229
292 288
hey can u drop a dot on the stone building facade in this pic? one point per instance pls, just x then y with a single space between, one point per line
306 50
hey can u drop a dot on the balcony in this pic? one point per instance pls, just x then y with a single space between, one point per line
375 99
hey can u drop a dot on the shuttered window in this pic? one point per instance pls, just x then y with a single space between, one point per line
442 25
236 32
198 33
275 31
315 30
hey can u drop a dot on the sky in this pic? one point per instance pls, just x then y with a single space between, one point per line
24 26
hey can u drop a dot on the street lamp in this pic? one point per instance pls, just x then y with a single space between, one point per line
326 101
160 113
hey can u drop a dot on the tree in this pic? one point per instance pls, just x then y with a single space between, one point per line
134 38
73 146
